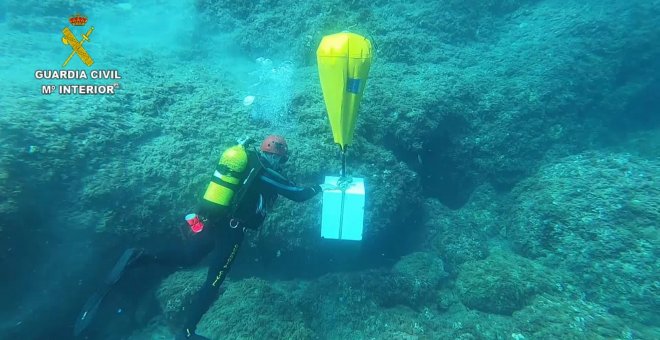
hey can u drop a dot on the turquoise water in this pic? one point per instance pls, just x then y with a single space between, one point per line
510 151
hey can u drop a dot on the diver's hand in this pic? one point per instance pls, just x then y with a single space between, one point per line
327 186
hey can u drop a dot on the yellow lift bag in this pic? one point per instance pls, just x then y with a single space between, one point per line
344 60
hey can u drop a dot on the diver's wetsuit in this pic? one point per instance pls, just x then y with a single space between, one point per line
223 241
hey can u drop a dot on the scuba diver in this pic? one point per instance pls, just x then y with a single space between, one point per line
243 188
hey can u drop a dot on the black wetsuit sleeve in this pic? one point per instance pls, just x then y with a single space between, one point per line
288 189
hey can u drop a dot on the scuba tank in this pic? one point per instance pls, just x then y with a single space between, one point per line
227 176
229 186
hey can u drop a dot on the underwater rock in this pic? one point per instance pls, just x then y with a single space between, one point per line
595 215
422 265
501 283
176 290
256 309
418 278
553 317
467 233
248 308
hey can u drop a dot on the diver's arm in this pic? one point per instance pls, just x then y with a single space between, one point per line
287 188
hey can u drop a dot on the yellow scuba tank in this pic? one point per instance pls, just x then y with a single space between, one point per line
227 176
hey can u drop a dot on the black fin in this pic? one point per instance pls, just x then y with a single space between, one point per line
92 305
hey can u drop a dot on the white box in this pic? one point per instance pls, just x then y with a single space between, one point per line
343 212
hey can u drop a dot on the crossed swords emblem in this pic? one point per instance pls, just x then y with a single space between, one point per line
76 46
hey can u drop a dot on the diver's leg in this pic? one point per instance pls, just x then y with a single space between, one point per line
221 260
191 253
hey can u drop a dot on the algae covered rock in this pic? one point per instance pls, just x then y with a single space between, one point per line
255 309
249 308
595 215
422 265
500 283
348 299
467 234
593 202
422 273
176 290
554 317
